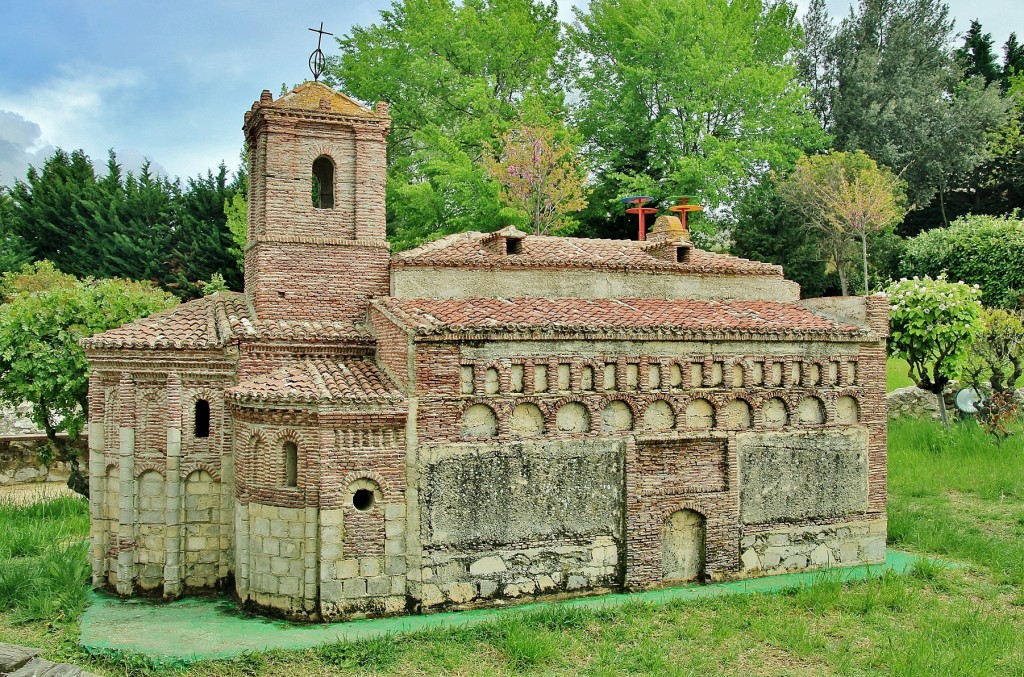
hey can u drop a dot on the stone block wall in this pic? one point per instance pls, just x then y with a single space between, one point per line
20 463
280 554
799 548
519 519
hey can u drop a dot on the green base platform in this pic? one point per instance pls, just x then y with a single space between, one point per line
196 629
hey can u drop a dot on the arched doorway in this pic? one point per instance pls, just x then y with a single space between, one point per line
683 541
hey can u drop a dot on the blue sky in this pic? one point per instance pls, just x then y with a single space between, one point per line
170 81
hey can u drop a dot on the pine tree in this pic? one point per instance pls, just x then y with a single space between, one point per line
1013 60
977 54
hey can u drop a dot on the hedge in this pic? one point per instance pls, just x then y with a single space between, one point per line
983 250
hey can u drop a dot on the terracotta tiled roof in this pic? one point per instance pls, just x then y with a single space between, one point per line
320 380
213 322
475 249
201 324
610 316
307 97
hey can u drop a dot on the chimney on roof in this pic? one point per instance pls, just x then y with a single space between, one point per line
266 96
325 105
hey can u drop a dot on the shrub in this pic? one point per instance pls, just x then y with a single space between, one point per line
983 250
993 367
932 324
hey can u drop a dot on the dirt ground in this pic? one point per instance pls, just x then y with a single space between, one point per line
26 494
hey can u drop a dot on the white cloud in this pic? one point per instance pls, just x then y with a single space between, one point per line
20 146
74 109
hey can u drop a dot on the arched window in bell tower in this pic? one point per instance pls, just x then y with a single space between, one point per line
323 183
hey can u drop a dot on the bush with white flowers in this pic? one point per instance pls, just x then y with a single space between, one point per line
932 323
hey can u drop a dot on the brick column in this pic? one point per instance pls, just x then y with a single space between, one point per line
370 179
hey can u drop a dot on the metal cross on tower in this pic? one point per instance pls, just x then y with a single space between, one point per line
317 60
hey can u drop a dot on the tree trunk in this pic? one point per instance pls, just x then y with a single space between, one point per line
942 409
942 208
864 247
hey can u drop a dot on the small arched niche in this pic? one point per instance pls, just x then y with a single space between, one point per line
527 421
700 414
811 411
659 416
323 183
774 413
479 421
847 410
573 417
736 415
617 417
683 538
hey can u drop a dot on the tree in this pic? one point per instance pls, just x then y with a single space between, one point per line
14 251
541 176
457 74
844 196
994 366
977 54
984 250
698 97
236 213
765 230
1013 60
40 359
202 242
894 90
931 326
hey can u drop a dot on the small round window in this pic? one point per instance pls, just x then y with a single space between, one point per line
362 500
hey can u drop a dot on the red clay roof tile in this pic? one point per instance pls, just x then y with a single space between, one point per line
320 380
213 322
604 316
472 249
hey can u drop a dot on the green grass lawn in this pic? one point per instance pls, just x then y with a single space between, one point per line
896 375
954 495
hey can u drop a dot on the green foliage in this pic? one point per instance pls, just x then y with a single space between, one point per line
236 212
456 75
886 82
765 231
993 367
845 197
977 55
932 323
40 359
135 226
984 250
694 98
541 176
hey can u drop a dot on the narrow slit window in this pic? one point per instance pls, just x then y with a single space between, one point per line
291 464
323 183
202 418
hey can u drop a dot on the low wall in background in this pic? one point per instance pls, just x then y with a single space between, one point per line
20 462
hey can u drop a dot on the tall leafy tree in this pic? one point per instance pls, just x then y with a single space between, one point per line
977 54
456 75
14 251
894 90
202 242
1013 60
698 97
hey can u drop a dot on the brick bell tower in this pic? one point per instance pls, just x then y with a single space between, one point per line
317 248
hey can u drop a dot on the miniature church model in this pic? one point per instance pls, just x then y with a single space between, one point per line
490 417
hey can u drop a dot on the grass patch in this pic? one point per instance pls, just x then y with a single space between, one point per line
44 560
897 374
